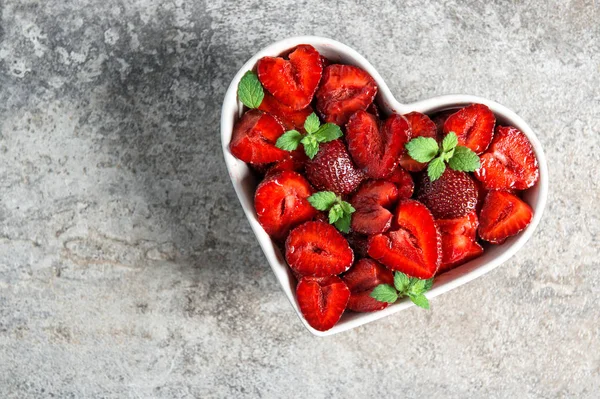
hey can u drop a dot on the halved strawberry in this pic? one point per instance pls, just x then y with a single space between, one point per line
376 146
503 215
254 137
318 249
451 196
458 240
439 118
373 202
292 82
344 90
420 126
509 163
281 203
332 169
473 125
289 118
365 275
413 244
295 161
359 243
322 300
403 180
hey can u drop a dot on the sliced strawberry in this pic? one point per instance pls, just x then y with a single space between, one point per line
344 90
458 240
365 275
373 109
439 118
453 195
509 163
413 244
289 118
481 194
318 249
322 300
254 137
420 126
403 180
503 215
464 226
376 146
373 202
294 160
473 125
281 203
332 169
292 82
359 243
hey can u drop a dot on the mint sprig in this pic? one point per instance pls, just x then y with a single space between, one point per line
458 157
250 91
412 287
340 212
315 134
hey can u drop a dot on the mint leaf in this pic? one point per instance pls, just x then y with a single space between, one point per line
289 141
436 168
343 223
323 200
250 91
422 149
384 293
311 147
417 287
447 155
312 123
347 207
428 284
420 300
335 213
449 142
328 132
464 159
401 282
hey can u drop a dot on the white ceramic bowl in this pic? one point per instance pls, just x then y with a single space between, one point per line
245 183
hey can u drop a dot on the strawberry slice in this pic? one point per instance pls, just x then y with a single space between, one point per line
318 249
373 202
358 243
281 203
403 180
254 137
376 146
413 244
420 126
503 215
332 169
473 125
344 90
322 301
295 161
458 241
365 275
439 118
293 82
453 195
289 118
509 163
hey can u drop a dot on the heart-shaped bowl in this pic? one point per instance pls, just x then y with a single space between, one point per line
244 181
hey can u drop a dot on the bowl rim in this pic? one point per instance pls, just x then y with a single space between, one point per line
232 108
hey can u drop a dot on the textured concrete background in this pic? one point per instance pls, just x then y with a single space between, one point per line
127 268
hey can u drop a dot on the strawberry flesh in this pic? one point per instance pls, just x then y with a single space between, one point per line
473 125
373 202
503 215
403 180
420 126
294 160
322 300
365 275
453 195
458 241
254 137
289 118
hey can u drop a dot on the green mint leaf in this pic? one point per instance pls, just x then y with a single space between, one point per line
289 141
417 287
447 155
312 123
401 282
436 168
428 284
384 293
422 149
347 207
335 213
420 301
250 91
311 146
328 132
343 223
323 200
449 142
464 159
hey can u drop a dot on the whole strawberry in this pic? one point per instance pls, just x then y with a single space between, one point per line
451 196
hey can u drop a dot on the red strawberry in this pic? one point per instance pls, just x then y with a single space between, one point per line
376 146
372 202
503 215
464 226
318 249
293 82
439 118
289 118
413 244
358 243
403 180
473 125
451 196
365 275
509 163
281 203
458 241
322 301
374 110
344 90
332 169
295 160
421 126
254 137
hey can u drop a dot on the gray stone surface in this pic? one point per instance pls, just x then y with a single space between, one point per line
127 268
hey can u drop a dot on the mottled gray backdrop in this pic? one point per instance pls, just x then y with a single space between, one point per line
127 268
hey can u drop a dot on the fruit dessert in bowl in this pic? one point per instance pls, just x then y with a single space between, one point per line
363 205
